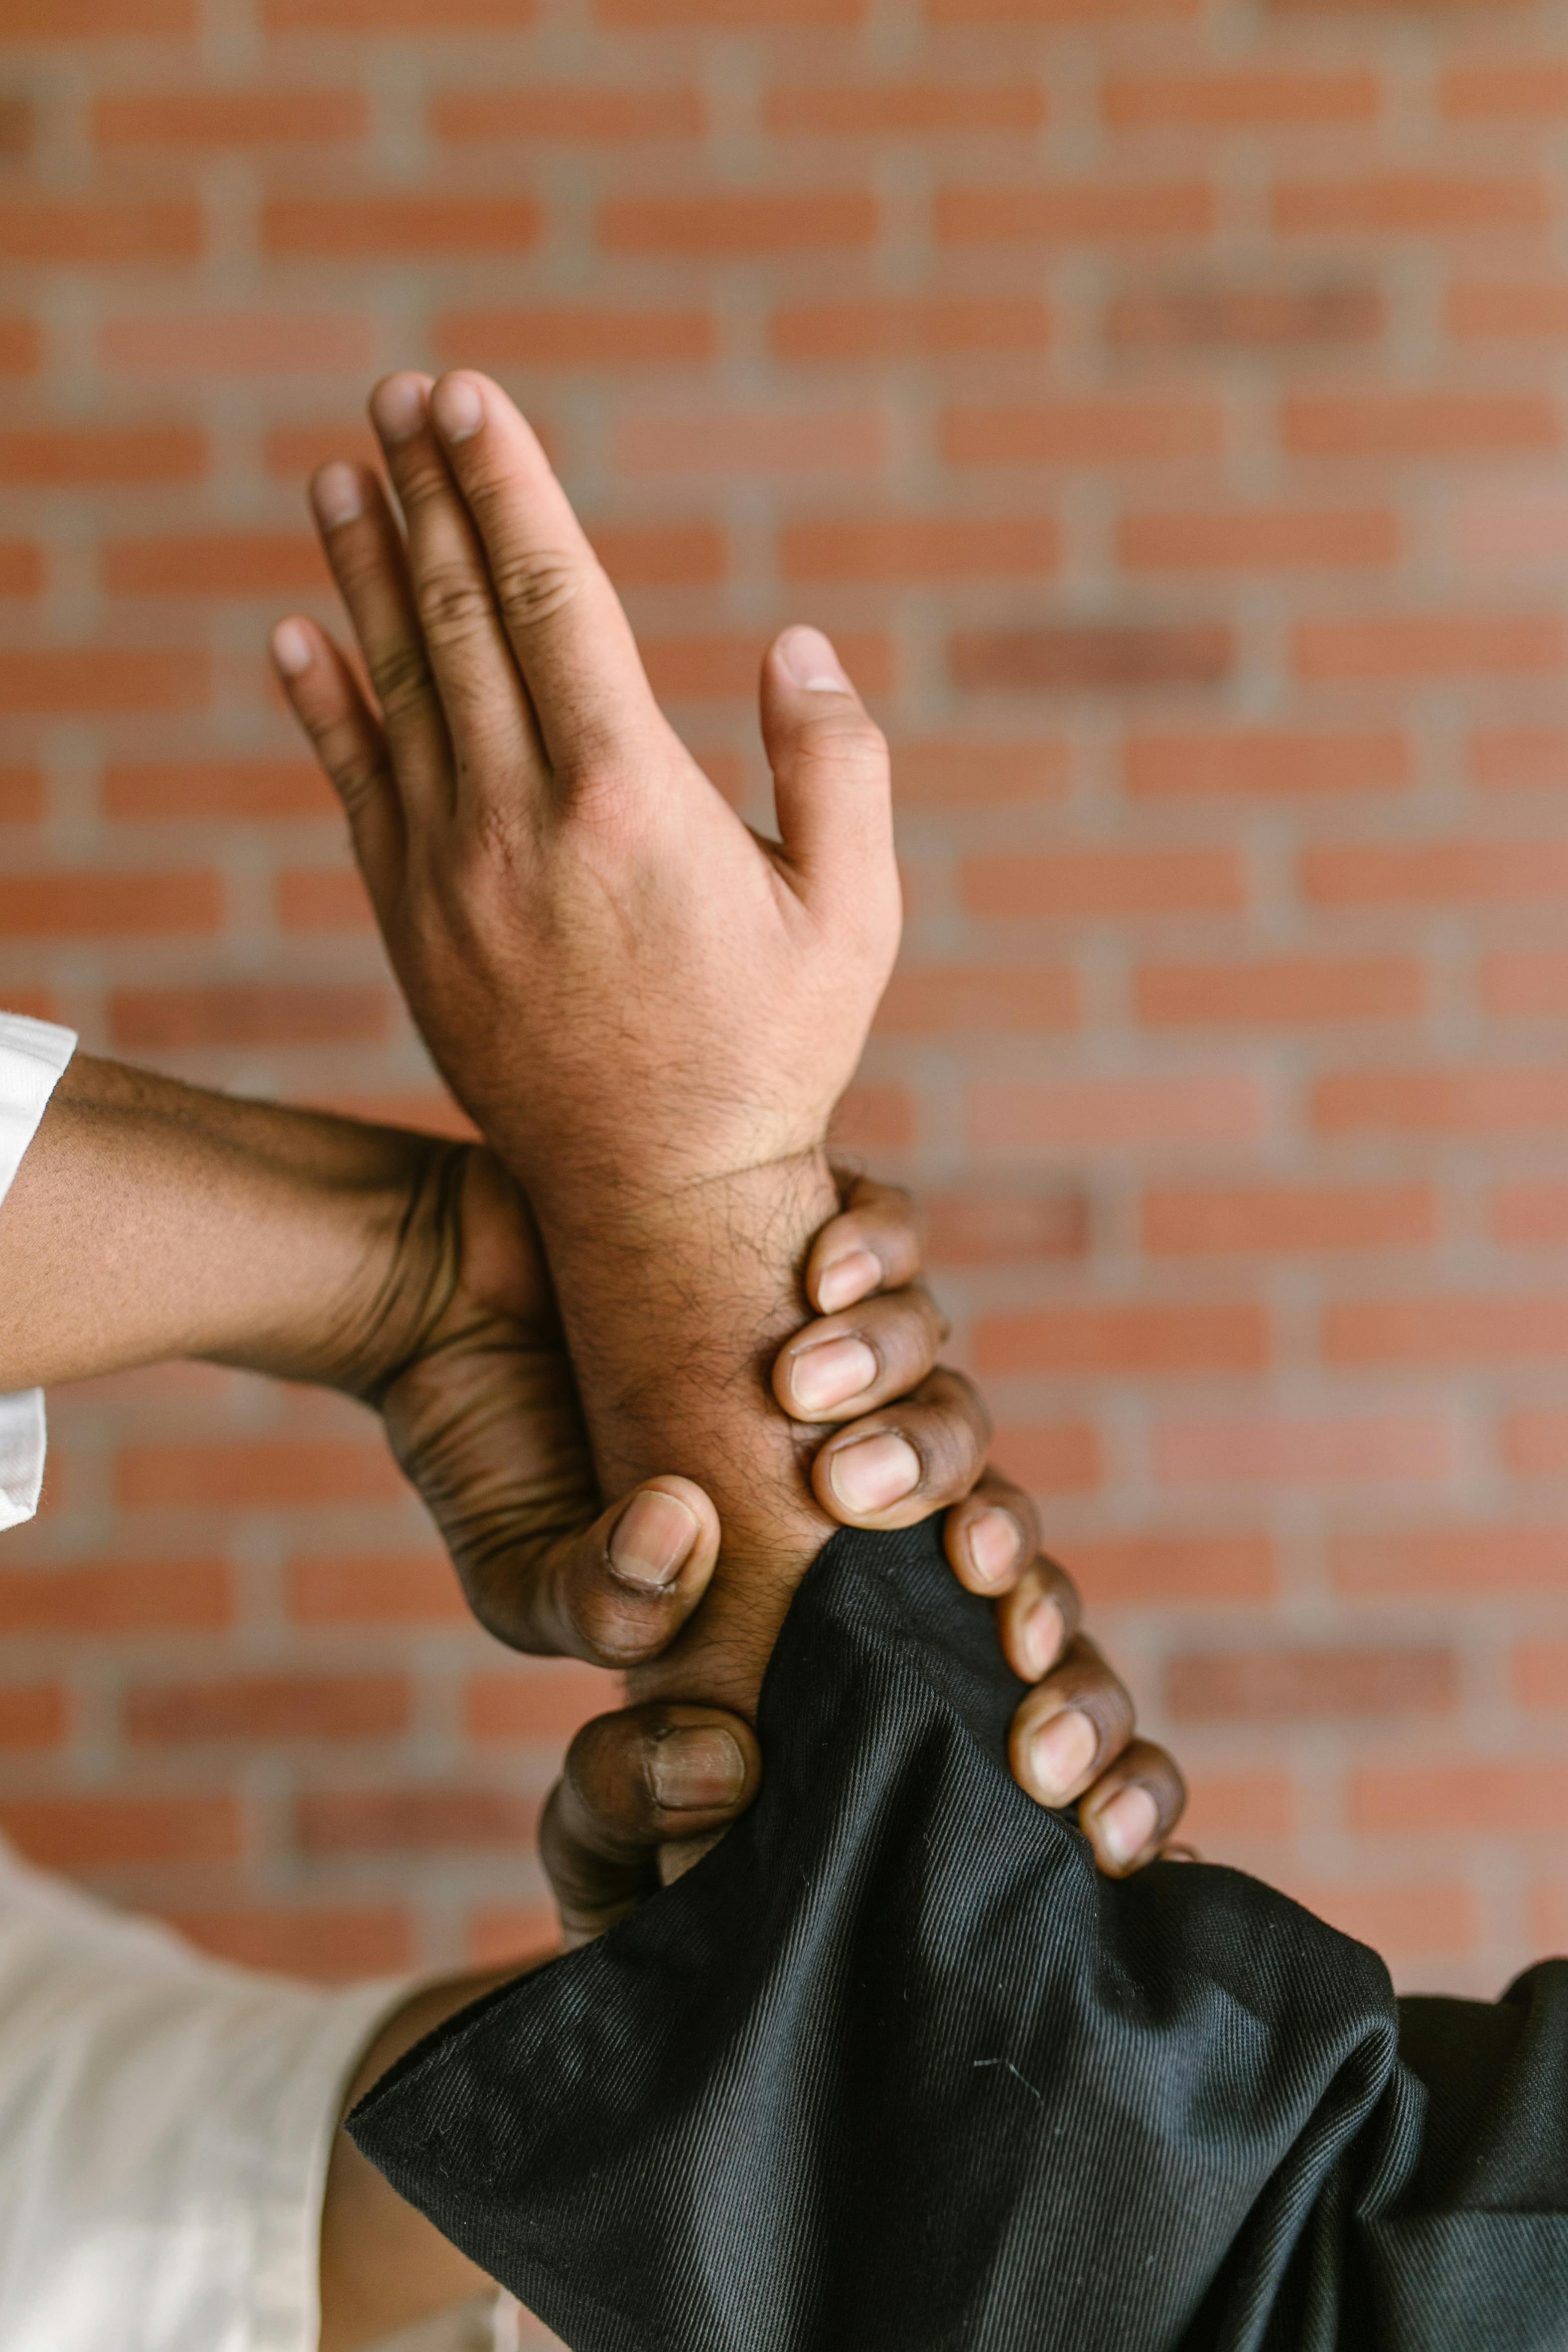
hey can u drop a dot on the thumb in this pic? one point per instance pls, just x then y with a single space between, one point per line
831 783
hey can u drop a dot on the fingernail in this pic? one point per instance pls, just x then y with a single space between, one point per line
291 649
1060 1752
335 495
874 1472
457 408
995 1541
652 1540
397 407
829 1373
1040 1638
1128 1823
688 1769
846 1280
810 658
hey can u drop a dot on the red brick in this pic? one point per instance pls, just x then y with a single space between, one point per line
1535 1444
1272 1449
98 1833
1095 657
546 1699
1275 1219
1244 98
217 563
175 347
89 20
725 666
293 452
1480 1797
1111 429
223 790
872 1119
1472 1561
1094 14
331 899
1436 424
1262 763
726 15
33 1715
1432 644
437 19
65 681
661 555
503 1932
916 327
230 118
1121 1571
255 1013
126 1596
1465 1102
22 568
569 115
912 109
739 225
1548 1917
942 998
416 1820
752 443
1114 1340
1114 1114
52 456
1229 1805
1410 203
337 1946
105 906
1529 1212
921 547
1074 213
1090 884
574 335
398 227
1539 1673
1502 758
254 1473
1440 1921
21 347
953 770
1256 539
1488 308
993 1228
269 1707
374 1589
1254 319
1057 1459
1525 983
1482 89
81 232
1280 990
1435 873
24 796
1269 1685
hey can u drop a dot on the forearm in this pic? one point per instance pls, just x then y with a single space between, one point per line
149 1220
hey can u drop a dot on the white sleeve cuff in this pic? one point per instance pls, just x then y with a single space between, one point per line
32 1056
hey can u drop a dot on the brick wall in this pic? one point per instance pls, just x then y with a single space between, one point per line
1164 404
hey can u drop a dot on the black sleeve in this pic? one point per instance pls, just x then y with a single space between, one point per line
894 2070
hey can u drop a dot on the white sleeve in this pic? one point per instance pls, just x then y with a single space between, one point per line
165 2126
32 1056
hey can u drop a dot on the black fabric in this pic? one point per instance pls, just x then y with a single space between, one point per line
894 2070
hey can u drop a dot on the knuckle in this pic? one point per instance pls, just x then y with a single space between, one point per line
453 603
400 674
534 586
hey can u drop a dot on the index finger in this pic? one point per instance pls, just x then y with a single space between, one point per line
573 643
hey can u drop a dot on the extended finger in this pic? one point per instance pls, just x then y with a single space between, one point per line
991 1535
324 695
365 550
1038 1619
634 1781
1069 1727
849 1363
617 1593
899 1464
571 639
1133 1808
482 695
875 1243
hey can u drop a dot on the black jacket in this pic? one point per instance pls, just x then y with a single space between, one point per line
894 2070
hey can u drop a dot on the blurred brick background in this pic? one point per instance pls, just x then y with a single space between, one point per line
1165 403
